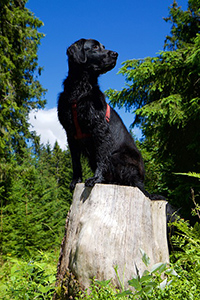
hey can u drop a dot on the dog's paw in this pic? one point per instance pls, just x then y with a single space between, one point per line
74 182
90 182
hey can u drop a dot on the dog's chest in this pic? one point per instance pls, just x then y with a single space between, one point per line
83 115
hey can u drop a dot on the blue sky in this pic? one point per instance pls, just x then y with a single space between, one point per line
135 29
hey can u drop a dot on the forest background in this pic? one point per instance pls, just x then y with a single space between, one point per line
162 91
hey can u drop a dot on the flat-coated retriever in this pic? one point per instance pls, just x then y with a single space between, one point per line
93 128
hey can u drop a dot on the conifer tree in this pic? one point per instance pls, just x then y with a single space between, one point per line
20 89
61 167
29 221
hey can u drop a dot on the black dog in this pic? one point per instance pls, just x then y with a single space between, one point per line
93 128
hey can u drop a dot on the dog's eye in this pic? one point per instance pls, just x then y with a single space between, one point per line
95 47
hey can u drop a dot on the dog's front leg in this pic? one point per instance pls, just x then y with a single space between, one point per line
102 164
97 178
76 164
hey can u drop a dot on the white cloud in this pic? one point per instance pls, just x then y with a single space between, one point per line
46 124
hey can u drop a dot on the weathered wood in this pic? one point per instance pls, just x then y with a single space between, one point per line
107 226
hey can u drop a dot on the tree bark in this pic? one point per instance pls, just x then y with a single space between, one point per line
107 225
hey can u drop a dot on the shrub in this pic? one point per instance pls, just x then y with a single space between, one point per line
28 279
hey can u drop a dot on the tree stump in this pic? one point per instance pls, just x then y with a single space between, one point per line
107 225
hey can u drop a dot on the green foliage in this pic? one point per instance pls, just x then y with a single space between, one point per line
163 91
190 174
187 258
154 182
99 290
28 279
196 209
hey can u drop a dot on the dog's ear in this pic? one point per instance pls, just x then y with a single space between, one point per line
76 52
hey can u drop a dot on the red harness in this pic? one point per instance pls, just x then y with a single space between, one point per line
79 134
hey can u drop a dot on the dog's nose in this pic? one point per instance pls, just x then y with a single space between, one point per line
113 54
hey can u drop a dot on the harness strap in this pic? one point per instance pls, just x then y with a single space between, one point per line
108 113
79 134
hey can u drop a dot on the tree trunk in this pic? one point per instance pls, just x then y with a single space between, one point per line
106 227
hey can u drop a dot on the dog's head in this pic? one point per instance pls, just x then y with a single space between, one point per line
91 55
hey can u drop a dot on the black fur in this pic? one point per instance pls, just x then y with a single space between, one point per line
110 149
